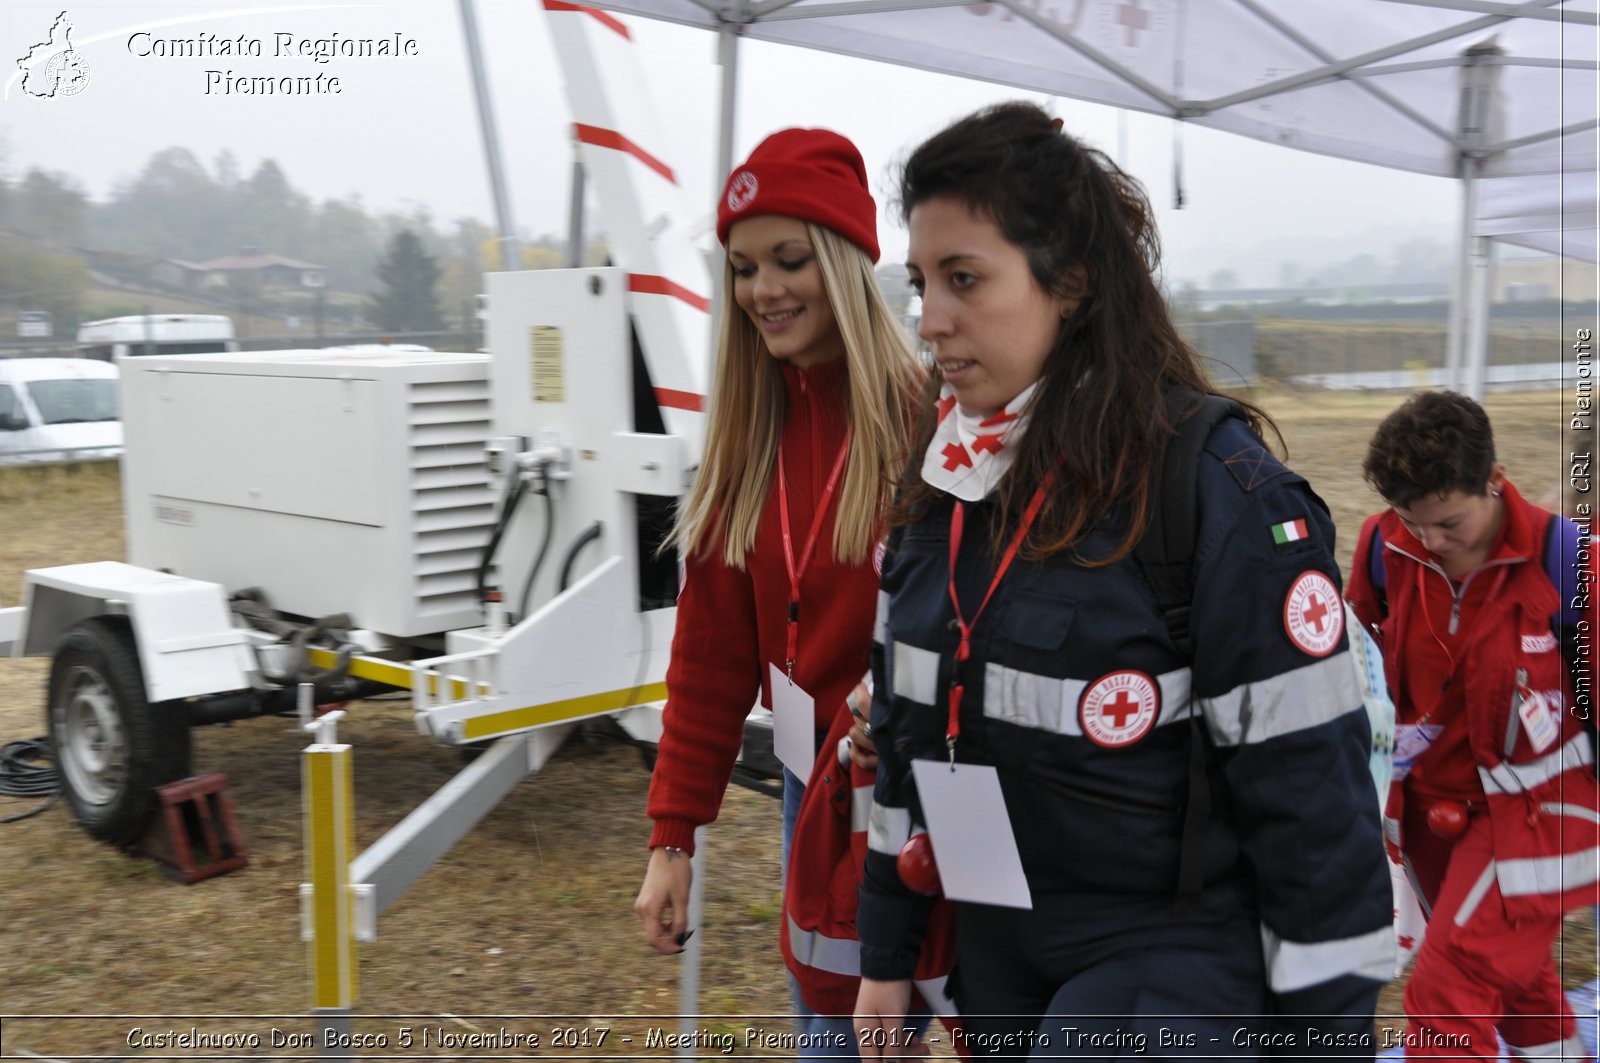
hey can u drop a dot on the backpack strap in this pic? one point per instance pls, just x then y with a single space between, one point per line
1377 575
1563 549
1165 554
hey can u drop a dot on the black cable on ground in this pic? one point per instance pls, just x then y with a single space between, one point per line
26 771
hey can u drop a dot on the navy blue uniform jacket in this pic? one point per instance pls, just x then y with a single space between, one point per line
1076 694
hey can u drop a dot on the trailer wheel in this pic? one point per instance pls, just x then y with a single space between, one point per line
112 746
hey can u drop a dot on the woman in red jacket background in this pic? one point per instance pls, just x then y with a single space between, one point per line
807 427
1493 809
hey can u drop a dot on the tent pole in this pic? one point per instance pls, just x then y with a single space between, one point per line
689 966
1478 317
1479 122
1461 287
510 253
689 963
728 59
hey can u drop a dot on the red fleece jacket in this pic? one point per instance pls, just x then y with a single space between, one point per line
732 622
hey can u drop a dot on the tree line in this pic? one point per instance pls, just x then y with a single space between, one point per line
177 207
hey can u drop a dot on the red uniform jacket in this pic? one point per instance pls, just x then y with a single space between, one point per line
732 622
1542 799
819 900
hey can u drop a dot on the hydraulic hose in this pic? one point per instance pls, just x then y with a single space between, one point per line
589 535
512 497
544 542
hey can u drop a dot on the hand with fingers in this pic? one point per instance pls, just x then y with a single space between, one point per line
663 901
881 1029
863 753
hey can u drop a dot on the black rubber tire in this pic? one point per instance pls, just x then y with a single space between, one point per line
112 746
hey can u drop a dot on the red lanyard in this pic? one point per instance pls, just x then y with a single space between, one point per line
795 572
964 647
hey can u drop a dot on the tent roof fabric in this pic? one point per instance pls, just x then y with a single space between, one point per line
1378 81
1547 212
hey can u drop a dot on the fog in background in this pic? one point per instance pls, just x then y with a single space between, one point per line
403 134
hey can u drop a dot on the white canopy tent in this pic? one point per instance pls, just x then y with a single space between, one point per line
1457 88
1554 213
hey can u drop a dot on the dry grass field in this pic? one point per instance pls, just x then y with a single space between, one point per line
529 916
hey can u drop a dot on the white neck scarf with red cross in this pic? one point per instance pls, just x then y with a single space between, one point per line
969 454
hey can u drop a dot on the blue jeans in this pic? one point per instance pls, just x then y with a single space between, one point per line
822 1036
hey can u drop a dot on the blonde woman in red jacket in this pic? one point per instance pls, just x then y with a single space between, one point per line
809 409
1494 805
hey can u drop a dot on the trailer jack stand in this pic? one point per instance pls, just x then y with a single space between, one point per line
194 834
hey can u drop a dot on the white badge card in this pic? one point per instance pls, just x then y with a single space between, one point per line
794 724
1411 740
1538 721
971 833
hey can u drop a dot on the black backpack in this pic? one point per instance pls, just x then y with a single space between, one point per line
1165 554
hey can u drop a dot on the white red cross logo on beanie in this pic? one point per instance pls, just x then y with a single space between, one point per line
742 190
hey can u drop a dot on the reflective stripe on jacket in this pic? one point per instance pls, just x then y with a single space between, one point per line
819 926
1543 802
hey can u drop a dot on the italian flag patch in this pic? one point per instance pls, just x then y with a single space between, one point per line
1289 531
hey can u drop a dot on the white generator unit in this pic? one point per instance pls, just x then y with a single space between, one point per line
485 531
335 481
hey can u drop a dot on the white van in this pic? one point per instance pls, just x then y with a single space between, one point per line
123 337
58 409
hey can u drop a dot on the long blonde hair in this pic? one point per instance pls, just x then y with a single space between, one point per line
744 420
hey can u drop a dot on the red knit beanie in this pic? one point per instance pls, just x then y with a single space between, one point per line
815 175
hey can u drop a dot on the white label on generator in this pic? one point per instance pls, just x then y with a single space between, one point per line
167 513
549 374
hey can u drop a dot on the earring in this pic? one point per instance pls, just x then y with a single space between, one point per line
1494 494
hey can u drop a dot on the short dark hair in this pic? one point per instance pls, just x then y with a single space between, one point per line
1435 443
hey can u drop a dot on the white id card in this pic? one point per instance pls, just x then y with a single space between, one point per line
971 834
794 724
1411 740
1538 721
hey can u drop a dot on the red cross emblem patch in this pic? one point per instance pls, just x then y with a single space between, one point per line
1313 614
1119 709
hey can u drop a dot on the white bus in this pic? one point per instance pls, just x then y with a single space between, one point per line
125 337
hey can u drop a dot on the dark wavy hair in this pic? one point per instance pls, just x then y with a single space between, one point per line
1099 418
1435 443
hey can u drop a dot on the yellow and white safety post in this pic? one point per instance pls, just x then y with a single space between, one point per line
327 905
